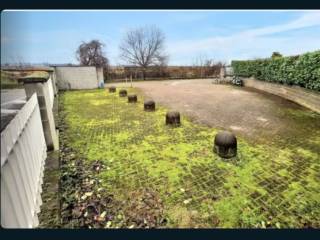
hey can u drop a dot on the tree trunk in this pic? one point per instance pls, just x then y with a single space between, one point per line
144 73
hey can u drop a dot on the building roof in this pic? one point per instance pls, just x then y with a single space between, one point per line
27 68
69 65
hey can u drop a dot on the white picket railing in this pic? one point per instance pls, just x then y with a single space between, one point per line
23 153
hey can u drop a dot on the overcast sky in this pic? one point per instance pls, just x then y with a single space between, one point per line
53 36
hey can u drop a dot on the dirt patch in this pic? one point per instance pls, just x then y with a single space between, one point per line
144 209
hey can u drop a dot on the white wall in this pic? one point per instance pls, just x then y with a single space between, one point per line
82 77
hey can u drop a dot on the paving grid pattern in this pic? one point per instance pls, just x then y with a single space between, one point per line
139 151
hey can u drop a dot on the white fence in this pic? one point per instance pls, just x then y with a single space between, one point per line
23 153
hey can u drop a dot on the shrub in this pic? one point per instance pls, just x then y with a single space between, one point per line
302 70
276 55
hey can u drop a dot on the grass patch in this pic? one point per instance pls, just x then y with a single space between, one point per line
269 185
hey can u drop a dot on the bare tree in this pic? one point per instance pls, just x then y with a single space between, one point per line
213 68
206 67
144 47
200 65
91 54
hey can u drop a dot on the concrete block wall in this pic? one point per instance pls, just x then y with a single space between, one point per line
302 96
42 87
77 77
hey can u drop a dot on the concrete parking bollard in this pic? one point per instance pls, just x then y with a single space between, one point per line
173 118
225 144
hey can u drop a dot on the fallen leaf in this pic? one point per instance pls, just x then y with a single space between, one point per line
84 197
88 194
102 215
108 224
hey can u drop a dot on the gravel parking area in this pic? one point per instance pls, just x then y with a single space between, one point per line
245 111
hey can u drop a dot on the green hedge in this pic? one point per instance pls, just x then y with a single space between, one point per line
302 70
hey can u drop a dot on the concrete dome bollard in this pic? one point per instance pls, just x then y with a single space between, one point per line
225 144
123 93
149 105
132 98
112 89
173 118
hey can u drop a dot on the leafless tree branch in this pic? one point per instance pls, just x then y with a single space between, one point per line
144 47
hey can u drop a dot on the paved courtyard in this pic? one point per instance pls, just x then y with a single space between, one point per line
123 167
8 95
244 111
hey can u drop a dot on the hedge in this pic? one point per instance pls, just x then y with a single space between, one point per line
302 70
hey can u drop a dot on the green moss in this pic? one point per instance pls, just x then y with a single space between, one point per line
265 185
49 216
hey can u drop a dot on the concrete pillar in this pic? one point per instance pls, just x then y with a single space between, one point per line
100 77
54 84
40 86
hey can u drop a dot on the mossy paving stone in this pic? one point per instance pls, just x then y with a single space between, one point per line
176 158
